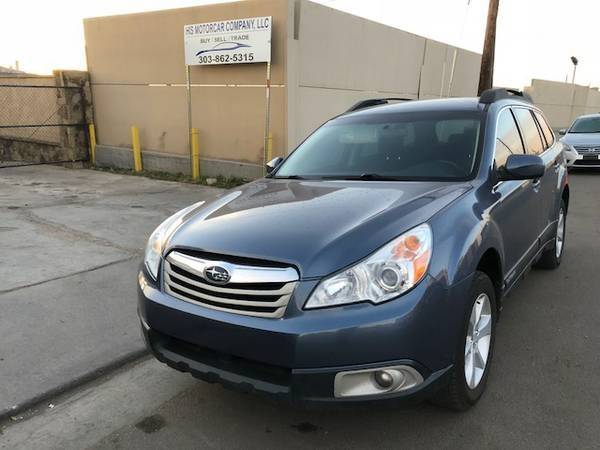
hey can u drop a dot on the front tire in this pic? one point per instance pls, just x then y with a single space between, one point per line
552 257
475 350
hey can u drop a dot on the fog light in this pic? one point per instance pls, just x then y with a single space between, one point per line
376 381
384 379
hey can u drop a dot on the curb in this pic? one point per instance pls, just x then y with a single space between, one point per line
7 413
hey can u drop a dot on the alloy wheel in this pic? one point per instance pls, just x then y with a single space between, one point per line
560 233
478 342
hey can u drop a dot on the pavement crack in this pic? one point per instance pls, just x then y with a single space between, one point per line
69 234
72 274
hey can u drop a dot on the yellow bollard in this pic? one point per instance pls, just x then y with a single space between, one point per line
137 151
270 147
92 134
195 155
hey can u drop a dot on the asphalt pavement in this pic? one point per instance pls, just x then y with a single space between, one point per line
542 392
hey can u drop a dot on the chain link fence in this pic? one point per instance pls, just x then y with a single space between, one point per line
36 122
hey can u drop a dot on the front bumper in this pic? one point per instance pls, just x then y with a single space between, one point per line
296 358
306 387
578 160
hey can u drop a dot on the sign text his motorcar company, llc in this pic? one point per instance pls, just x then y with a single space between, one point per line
236 41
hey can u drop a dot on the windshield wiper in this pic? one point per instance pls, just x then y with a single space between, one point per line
368 177
289 177
364 176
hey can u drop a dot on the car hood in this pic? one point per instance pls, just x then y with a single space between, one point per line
317 226
582 139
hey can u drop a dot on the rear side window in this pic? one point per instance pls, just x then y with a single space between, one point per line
548 134
508 140
533 141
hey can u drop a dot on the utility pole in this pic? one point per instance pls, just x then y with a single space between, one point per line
486 74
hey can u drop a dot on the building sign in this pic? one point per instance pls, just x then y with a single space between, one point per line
237 41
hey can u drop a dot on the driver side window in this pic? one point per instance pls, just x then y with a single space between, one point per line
508 139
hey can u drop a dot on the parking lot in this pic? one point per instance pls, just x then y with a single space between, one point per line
71 241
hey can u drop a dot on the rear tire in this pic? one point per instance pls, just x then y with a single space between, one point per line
552 256
475 348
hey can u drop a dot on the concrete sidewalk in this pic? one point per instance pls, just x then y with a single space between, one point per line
70 245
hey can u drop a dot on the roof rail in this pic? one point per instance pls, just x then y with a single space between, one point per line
375 102
493 95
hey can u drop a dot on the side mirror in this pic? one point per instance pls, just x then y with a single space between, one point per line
273 164
562 131
522 167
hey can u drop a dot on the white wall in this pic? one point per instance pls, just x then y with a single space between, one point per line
563 102
336 59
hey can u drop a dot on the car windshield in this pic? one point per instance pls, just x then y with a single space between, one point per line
389 146
586 125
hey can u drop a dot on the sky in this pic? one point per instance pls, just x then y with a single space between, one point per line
535 38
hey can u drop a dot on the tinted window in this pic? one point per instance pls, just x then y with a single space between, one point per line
533 141
401 145
586 125
508 140
539 127
548 134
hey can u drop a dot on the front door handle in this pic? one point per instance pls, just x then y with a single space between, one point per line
556 165
536 184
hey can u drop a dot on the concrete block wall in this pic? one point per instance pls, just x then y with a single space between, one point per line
336 59
323 61
138 77
563 102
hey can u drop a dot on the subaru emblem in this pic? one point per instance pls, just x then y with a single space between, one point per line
217 274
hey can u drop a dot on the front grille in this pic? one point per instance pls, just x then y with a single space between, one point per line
259 291
587 162
588 150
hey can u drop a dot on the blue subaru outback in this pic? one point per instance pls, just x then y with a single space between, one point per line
371 263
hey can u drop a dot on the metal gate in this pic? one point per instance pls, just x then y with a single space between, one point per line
42 124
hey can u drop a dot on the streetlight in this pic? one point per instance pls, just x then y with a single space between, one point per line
575 61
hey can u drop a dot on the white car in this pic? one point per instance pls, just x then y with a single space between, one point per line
582 142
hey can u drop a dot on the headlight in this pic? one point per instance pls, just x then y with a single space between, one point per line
159 236
392 270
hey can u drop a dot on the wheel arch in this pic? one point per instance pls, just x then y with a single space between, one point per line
490 263
566 193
